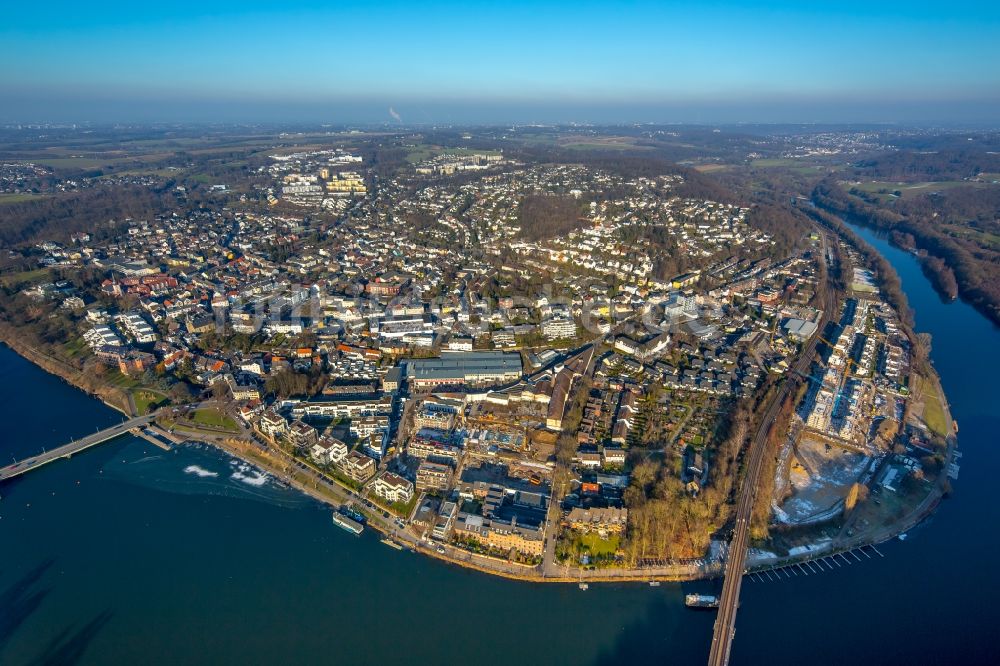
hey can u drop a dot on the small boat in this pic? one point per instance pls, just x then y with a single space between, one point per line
701 601
346 523
392 544
352 512
584 587
902 537
654 583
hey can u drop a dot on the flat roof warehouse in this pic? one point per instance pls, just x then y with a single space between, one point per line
464 368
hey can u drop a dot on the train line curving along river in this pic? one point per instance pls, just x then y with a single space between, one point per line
725 623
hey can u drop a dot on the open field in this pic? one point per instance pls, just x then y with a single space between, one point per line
26 277
979 236
118 380
145 399
889 189
933 412
93 160
422 152
610 145
800 166
142 153
777 162
883 509
76 348
150 171
598 546
588 142
74 162
20 197
213 418
712 168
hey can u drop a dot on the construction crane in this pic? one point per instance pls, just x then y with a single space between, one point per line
848 359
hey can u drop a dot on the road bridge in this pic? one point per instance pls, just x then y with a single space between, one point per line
75 446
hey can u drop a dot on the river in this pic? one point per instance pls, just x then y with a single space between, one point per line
128 554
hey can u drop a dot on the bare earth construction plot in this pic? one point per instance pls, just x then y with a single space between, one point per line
819 480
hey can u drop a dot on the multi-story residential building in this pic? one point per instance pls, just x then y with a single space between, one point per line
137 327
445 520
460 343
501 534
365 426
101 336
559 327
434 419
302 435
612 456
433 476
358 466
392 487
329 451
272 424
332 407
602 520
422 446
393 380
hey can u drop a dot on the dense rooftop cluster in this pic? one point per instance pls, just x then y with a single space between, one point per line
469 341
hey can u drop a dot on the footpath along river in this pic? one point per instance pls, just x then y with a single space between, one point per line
128 554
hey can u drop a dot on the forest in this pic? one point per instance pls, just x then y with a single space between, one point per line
940 225
57 217
665 520
888 279
549 215
913 166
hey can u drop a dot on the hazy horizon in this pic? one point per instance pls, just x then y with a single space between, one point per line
736 62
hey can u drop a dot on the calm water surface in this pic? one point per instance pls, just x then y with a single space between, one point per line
129 554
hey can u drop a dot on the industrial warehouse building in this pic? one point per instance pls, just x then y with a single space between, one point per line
473 368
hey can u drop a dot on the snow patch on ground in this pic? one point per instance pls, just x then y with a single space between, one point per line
817 547
780 515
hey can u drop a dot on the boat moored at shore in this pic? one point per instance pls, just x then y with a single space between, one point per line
701 601
346 523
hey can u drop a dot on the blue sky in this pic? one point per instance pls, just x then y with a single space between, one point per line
506 61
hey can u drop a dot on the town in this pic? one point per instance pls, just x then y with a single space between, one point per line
630 323
533 368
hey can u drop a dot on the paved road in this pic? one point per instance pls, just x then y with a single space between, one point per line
725 622
66 450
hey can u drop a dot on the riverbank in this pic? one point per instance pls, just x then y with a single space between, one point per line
848 538
212 570
930 246
111 396
324 491
328 492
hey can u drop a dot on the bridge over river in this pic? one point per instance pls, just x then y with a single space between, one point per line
75 446
735 567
